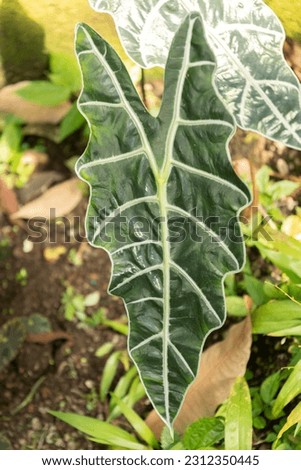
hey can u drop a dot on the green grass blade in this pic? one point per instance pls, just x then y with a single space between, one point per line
99 431
123 385
108 374
290 389
138 424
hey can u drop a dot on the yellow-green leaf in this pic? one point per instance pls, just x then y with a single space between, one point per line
238 417
289 391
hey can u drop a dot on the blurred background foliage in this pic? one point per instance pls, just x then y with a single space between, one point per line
29 29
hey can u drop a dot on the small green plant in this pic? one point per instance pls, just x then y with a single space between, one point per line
13 169
13 334
60 87
22 276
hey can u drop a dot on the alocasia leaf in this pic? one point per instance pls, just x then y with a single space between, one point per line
164 204
247 38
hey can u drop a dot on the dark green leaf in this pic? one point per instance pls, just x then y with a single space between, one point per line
259 422
37 323
148 177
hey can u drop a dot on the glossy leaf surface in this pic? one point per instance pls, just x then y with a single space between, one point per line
155 185
247 38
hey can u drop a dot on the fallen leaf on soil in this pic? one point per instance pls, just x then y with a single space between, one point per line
48 337
37 184
221 364
52 254
8 199
56 202
11 103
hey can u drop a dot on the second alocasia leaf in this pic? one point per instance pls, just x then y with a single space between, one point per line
164 204
255 82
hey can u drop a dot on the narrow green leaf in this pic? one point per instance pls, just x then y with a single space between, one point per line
44 93
123 385
204 433
158 174
105 349
277 318
71 123
138 424
116 326
289 391
293 418
108 375
270 387
247 39
122 445
98 431
238 417
136 392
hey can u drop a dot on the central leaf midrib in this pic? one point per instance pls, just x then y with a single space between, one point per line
162 182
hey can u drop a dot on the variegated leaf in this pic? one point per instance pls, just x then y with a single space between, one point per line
247 38
164 203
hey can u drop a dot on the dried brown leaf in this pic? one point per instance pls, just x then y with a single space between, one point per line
8 199
56 202
12 103
221 364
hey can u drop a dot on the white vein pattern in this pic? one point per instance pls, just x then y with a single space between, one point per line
206 229
204 122
100 104
138 274
250 81
136 244
146 341
113 159
127 106
120 209
182 358
254 22
145 299
210 176
195 287
161 176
